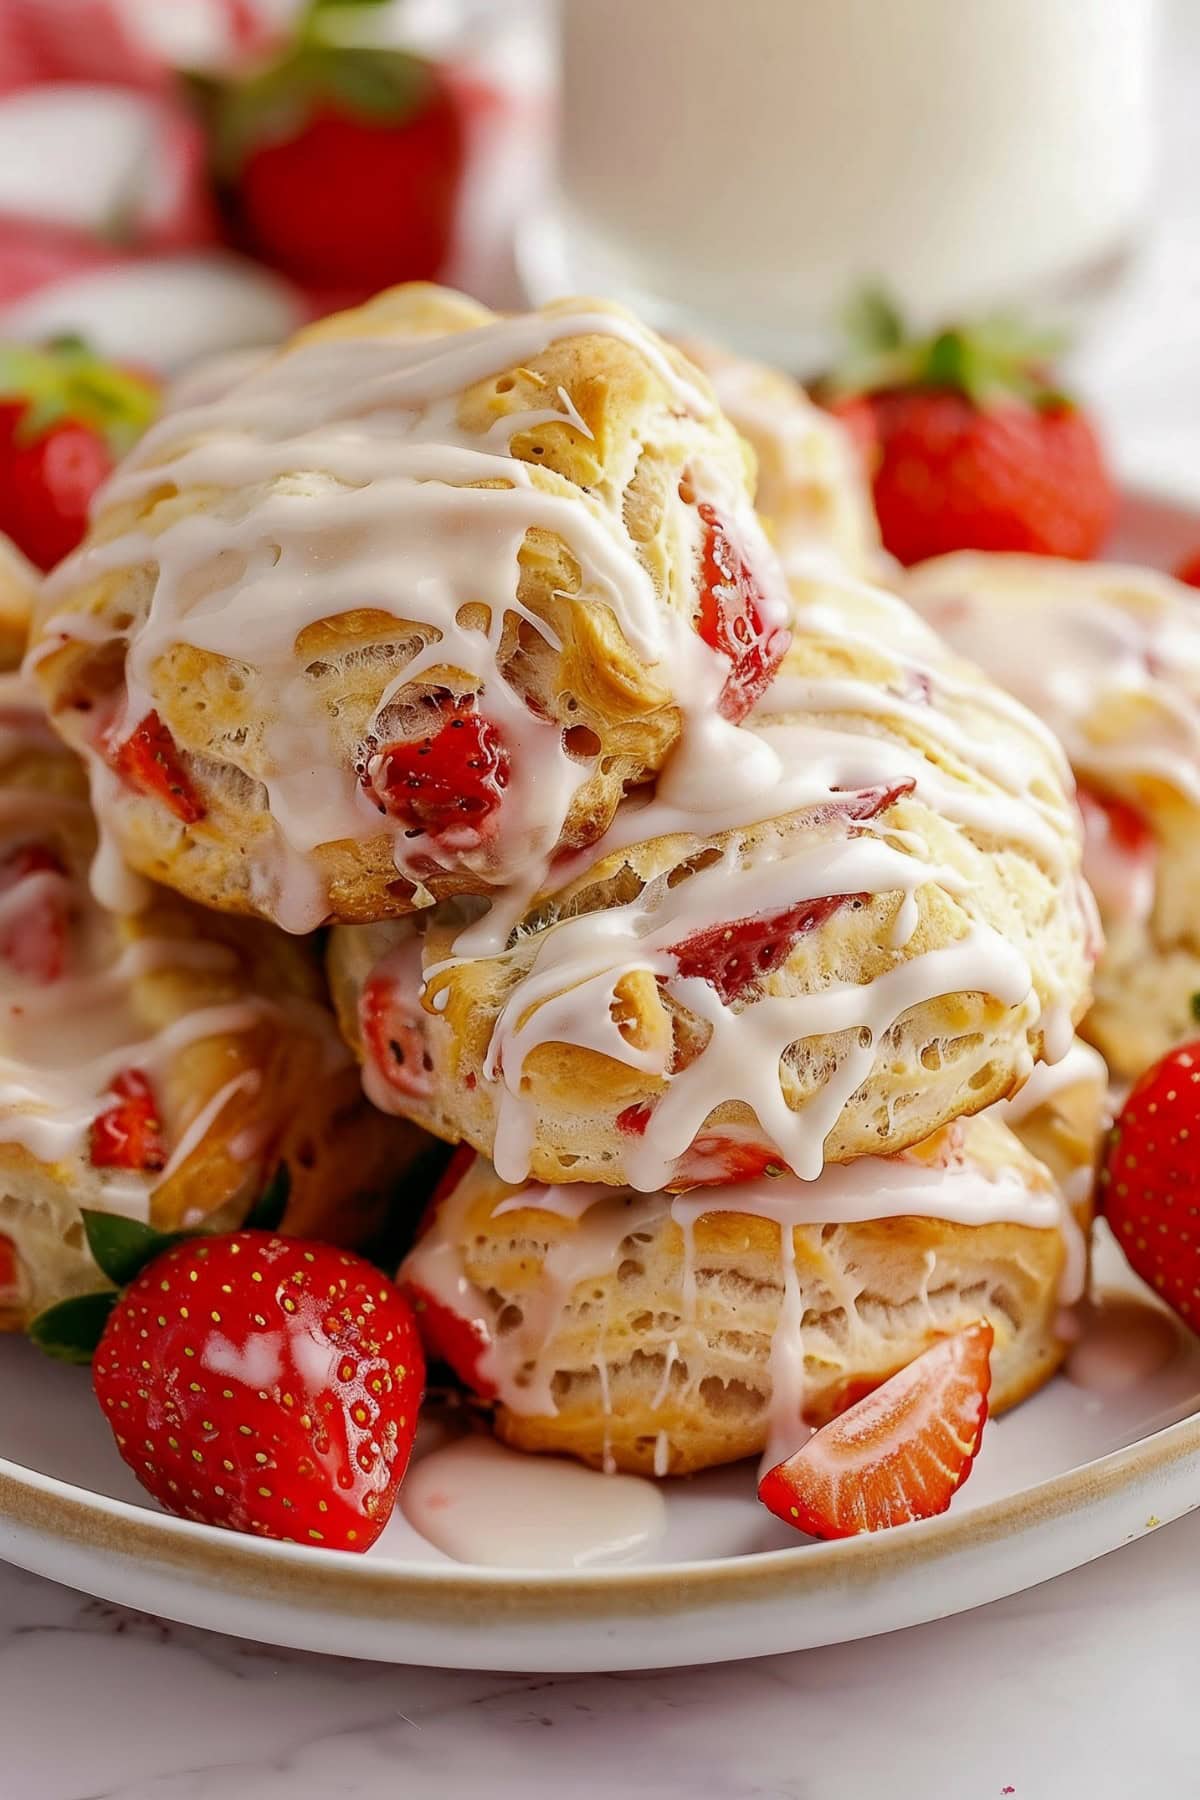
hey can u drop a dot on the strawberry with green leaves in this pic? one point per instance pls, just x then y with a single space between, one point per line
969 441
257 1382
66 419
342 162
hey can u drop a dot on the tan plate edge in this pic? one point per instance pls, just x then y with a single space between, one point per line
352 1586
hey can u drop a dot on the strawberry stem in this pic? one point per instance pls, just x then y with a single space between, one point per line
997 358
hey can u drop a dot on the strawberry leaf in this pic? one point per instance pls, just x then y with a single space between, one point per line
71 1330
267 1212
122 1247
1195 1006
65 380
991 360
383 85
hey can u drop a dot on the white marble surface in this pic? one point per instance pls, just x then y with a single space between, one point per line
1082 1689
1079 1690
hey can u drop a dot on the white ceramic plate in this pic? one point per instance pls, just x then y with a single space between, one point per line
1067 1476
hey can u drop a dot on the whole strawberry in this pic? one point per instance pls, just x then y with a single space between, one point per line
341 163
66 417
265 1384
1150 1178
969 443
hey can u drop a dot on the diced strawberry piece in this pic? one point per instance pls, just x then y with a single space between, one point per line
730 618
394 1033
128 1134
634 1119
731 957
149 761
1120 855
34 937
868 803
1189 570
10 1269
449 1338
718 1161
451 782
900 1454
1122 824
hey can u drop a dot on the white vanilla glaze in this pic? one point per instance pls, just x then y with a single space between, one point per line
377 504
518 1365
481 1503
1082 1066
64 1041
1109 657
1121 1343
811 488
814 743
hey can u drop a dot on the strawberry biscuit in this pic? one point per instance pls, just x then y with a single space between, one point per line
404 610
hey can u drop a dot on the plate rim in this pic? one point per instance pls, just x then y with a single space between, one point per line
332 1581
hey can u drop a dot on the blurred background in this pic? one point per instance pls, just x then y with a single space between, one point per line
185 177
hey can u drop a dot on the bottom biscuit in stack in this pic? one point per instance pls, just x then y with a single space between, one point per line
666 1333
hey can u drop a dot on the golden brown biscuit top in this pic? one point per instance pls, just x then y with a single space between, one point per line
376 501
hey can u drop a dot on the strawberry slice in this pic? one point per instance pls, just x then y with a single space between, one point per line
128 1134
900 1454
449 783
730 618
394 1032
34 935
732 957
449 1338
149 761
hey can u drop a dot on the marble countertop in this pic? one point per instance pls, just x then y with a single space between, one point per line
1076 1690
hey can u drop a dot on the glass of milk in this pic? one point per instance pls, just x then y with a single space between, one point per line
742 166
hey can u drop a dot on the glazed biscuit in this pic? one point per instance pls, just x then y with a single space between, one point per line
402 611
869 925
666 1333
1109 658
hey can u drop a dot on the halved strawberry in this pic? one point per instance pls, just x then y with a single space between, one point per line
449 783
731 957
449 1338
34 933
393 1030
730 618
149 761
900 1454
128 1134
